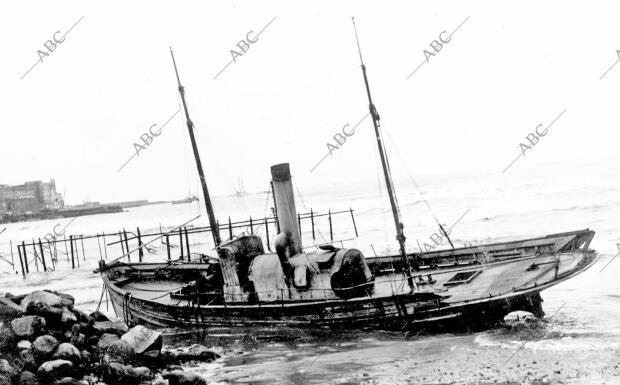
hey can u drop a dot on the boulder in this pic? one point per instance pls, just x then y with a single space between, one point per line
52 370
44 346
99 316
181 377
66 299
50 313
521 320
24 345
66 351
25 361
125 374
28 378
120 351
28 326
68 381
78 340
86 356
43 297
111 327
10 310
7 370
67 317
7 338
106 340
143 339
84 318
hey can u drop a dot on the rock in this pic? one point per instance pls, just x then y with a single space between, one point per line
120 351
194 353
7 338
28 378
52 370
126 374
50 313
27 326
25 360
87 357
180 377
43 297
99 316
7 370
521 320
68 381
106 340
111 327
67 317
44 346
24 345
78 340
66 299
143 339
10 310
84 318
66 351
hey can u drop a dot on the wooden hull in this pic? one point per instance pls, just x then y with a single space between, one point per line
493 289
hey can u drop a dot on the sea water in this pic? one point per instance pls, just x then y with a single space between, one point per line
578 342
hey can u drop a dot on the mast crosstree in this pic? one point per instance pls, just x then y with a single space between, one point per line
400 235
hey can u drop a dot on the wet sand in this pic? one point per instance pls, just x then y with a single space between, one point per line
499 356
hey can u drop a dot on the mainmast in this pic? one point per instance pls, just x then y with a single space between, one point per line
400 236
215 231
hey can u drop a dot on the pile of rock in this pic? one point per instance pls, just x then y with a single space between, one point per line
44 339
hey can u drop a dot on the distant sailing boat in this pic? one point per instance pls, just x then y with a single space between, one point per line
240 192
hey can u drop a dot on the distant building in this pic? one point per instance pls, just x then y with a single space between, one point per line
30 198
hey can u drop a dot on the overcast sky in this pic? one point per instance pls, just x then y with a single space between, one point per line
511 66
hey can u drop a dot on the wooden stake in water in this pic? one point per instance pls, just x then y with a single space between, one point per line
21 263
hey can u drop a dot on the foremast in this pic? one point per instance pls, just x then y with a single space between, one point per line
215 231
400 235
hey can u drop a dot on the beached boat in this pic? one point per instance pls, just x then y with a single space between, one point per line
339 287
471 287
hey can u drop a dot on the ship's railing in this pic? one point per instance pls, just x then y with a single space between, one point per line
46 253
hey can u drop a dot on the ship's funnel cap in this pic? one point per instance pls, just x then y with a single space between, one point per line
280 172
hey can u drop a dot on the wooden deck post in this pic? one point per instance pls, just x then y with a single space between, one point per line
230 234
168 246
189 258
140 250
127 245
251 226
83 251
12 258
120 237
72 256
77 253
34 252
21 263
181 242
353 219
53 256
25 257
42 255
